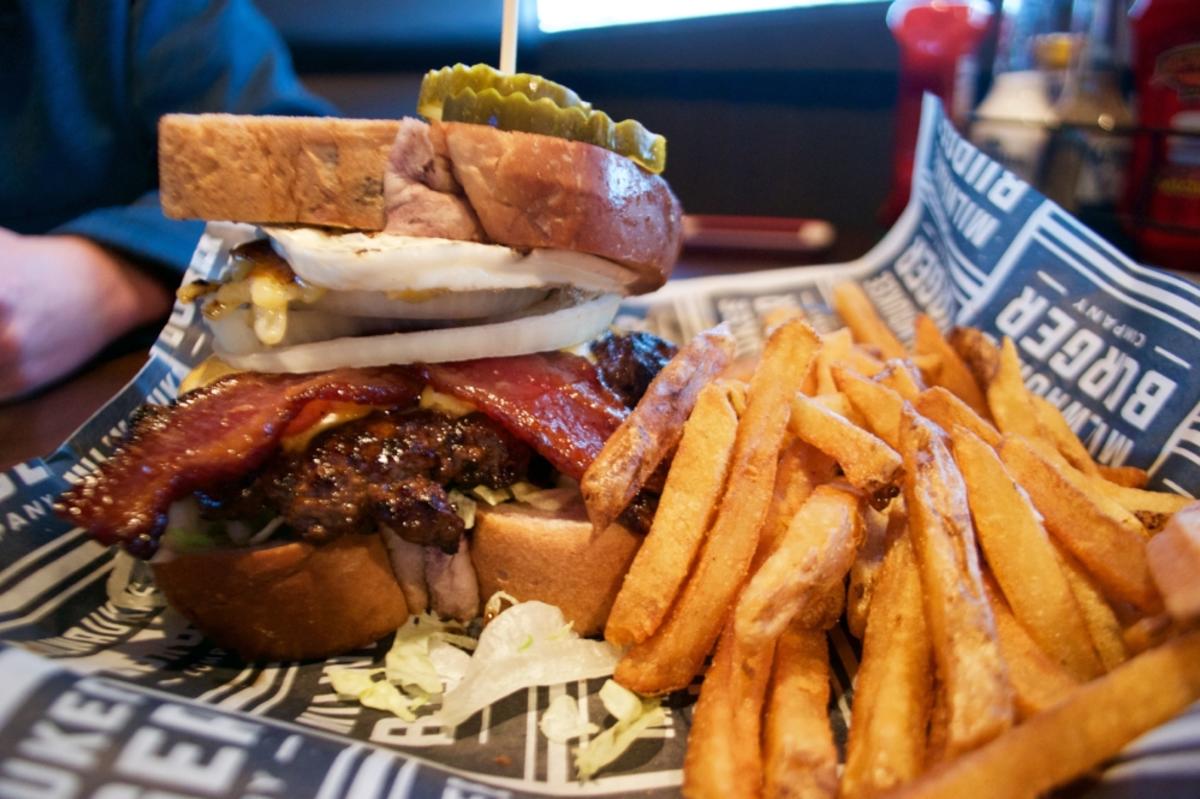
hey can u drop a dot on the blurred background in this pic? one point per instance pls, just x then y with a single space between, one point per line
784 112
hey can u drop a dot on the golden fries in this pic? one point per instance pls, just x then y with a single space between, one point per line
809 564
1102 625
879 405
973 679
1174 556
800 758
902 377
977 351
724 756
801 469
878 532
652 430
1013 570
1128 476
858 312
1091 725
685 511
1099 538
1151 508
1021 556
893 690
940 406
1060 434
951 372
869 464
1039 683
673 655
1010 402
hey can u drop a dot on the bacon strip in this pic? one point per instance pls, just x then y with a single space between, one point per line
218 433
554 401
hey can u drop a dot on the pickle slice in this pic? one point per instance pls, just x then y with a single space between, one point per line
517 111
440 84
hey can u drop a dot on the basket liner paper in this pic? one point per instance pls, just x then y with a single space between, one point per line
104 693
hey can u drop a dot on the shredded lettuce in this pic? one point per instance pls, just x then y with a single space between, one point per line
464 506
361 684
529 644
634 715
561 722
492 496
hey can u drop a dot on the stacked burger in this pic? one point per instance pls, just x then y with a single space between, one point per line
413 366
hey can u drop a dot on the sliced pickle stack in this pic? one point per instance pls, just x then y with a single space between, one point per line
530 103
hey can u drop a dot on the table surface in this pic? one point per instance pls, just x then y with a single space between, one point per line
37 425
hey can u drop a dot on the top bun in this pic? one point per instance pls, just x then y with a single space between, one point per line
528 190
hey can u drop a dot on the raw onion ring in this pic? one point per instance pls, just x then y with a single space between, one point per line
550 325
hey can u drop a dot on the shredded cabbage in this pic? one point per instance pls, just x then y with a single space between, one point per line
464 506
492 496
361 684
529 644
561 721
634 716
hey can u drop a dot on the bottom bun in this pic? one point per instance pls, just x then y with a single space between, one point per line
553 557
291 601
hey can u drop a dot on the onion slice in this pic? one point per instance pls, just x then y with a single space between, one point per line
447 305
546 326
391 262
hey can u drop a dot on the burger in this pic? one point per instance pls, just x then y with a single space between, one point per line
413 366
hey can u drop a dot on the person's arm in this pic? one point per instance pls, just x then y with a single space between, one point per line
62 298
66 295
192 56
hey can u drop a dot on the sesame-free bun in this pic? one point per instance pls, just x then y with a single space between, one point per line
552 557
527 190
289 601
530 190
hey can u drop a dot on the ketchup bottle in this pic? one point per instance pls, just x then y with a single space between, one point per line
935 36
1164 185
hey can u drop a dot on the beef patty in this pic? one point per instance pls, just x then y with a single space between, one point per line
392 467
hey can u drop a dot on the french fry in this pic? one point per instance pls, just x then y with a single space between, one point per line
810 562
902 377
1152 508
1128 476
972 676
1009 400
879 405
1091 529
835 347
1092 724
800 757
1022 558
951 373
1054 425
801 469
893 689
878 533
1039 683
977 351
673 655
685 510
946 410
859 314
1103 627
1175 561
1148 632
724 755
868 463
652 430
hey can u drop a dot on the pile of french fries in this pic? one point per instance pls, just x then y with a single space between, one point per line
1024 612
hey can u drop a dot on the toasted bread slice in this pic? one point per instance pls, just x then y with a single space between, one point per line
290 170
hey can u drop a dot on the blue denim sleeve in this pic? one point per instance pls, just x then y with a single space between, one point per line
192 56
